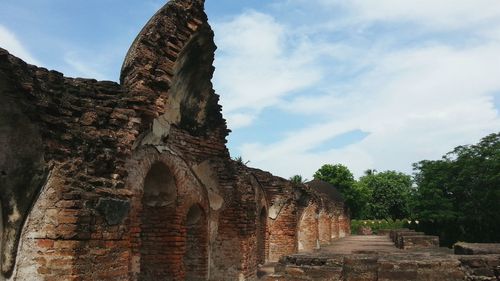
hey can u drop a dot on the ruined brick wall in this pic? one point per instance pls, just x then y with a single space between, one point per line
388 267
282 218
165 195
86 132
133 181
335 226
308 236
292 224
333 219
344 224
324 227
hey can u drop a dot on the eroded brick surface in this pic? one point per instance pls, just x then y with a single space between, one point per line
135 181
375 258
462 248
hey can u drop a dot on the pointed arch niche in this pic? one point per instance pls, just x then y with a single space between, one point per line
307 237
262 238
173 239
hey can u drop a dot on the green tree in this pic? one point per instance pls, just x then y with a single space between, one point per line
341 177
388 194
338 175
360 195
458 196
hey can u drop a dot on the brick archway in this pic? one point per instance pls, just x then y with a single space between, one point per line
262 238
168 216
307 232
324 227
195 258
342 225
283 232
335 226
158 211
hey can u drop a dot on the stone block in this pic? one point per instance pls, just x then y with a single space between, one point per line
463 248
399 234
392 232
418 242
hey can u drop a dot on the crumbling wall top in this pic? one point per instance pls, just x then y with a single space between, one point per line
170 65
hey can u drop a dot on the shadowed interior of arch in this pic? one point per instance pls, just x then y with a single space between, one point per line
195 259
159 229
159 186
171 234
307 236
262 236
1 236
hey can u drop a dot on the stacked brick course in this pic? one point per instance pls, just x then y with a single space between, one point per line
387 267
410 239
133 181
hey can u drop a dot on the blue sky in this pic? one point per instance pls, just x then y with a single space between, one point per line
372 84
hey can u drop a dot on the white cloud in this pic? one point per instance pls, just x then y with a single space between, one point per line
436 14
238 120
417 104
79 67
416 100
10 42
255 66
75 63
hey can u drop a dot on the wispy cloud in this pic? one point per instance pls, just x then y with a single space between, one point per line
434 14
256 67
10 42
81 68
416 97
102 64
415 104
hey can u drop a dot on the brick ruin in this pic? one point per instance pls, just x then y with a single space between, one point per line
395 255
133 181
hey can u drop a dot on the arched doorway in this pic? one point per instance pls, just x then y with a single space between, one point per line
324 228
307 236
173 237
195 258
262 236
342 226
159 232
335 226
1 238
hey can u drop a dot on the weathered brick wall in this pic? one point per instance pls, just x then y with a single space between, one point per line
250 206
324 227
282 215
159 218
344 225
283 232
262 237
418 242
135 181
308 237
335 226
87 133
389 267
464 248
287 204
